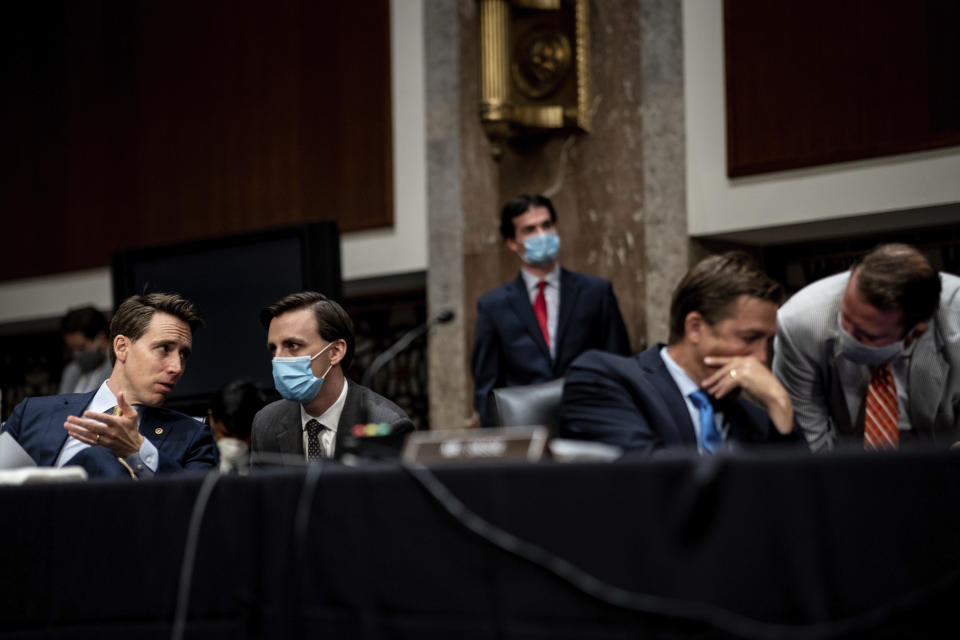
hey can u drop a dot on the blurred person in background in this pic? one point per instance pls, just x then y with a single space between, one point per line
84 332
230 416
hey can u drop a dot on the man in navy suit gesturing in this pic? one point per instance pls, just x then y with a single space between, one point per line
530 329
688 394
120 429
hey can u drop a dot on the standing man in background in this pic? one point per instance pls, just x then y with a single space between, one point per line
84 332
530 329
871 356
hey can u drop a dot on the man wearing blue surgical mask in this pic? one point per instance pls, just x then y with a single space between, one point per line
870 356
310 338
530 329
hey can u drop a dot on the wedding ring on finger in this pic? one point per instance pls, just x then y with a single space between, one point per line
97 441
733 373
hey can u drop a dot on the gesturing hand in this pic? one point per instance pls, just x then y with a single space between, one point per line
749 374
119 433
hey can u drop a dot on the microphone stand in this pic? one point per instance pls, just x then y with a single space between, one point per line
401 344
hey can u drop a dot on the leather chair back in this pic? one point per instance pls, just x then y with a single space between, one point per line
532 404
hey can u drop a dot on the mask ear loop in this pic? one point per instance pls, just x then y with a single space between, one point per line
331 364
329 344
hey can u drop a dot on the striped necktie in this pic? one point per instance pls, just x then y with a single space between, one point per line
882 413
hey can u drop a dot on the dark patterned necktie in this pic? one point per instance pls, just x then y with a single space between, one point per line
314 448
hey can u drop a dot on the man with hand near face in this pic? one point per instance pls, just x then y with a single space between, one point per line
530 329
688 394
870 356
311 340
121 429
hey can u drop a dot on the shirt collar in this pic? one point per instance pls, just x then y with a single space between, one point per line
329 418
684 382
552 279
103 399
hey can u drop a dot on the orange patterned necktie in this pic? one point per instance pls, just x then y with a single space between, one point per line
880 429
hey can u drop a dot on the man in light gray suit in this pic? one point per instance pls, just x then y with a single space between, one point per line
871 357
322 415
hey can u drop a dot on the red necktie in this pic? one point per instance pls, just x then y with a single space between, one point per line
540 308
880 429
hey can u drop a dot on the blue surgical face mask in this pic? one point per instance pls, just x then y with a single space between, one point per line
859 353
541 249
294 379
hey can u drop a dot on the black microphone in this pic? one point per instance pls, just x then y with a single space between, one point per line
441 318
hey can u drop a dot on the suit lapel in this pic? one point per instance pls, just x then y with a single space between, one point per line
926 379
659 376
152 427
73 405
843 374
352 414
519 301
569 292
290 435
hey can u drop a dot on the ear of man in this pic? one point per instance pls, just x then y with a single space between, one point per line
120 345
694 325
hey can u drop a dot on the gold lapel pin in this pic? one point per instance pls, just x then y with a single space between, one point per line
158 430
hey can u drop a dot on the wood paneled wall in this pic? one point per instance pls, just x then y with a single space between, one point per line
817 81
130 123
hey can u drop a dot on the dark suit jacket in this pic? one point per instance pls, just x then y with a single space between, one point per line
635 404
277 428
183 443
509 349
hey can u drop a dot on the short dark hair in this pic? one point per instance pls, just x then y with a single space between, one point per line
333 323
133 316
897 277
519 206
235 404
714 284
87 320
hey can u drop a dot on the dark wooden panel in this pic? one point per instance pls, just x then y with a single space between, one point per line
817 81
132 123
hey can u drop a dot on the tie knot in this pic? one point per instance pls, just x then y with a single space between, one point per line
700 399
541 285
314 427
881 371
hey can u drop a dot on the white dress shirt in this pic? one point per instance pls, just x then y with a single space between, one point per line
329 419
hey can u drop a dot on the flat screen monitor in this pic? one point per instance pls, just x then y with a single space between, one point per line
231 279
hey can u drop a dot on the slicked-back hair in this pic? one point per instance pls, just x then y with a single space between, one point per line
896 277
333 323
519 206
235 404
713 286
134 314
87 320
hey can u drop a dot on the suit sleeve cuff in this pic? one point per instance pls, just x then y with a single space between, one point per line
144 462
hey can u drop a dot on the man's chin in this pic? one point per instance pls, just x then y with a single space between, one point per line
159 398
